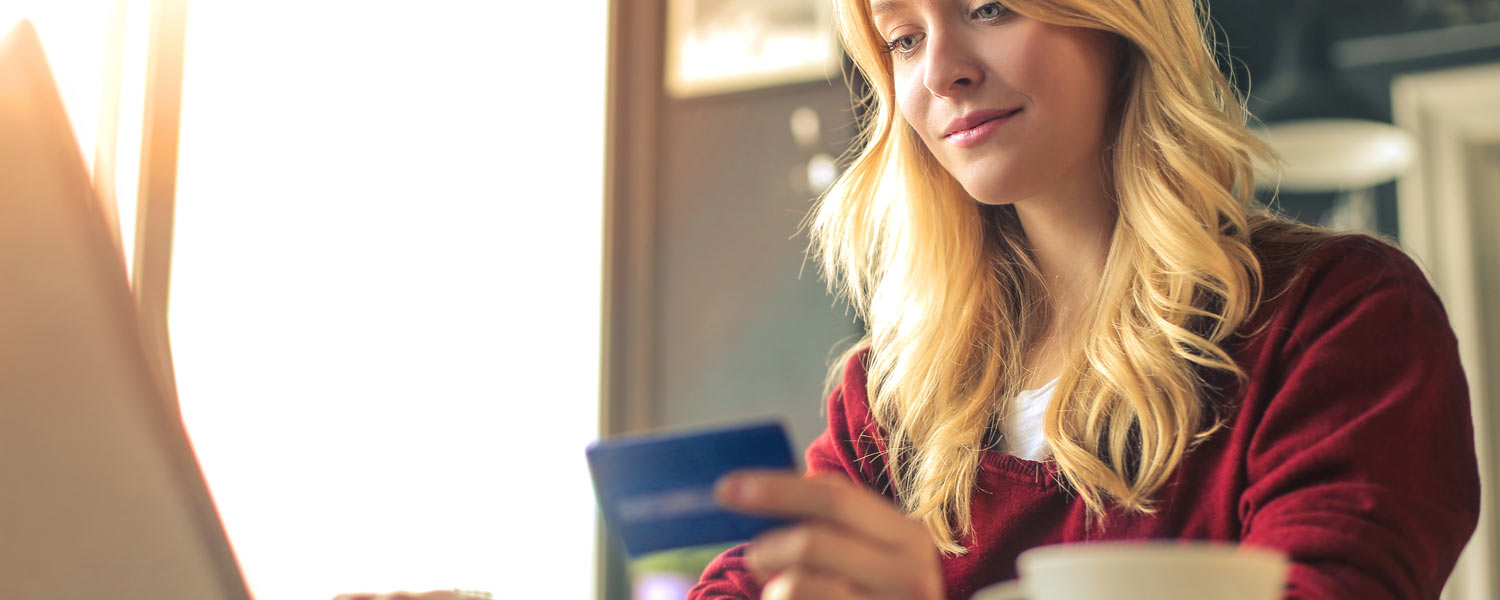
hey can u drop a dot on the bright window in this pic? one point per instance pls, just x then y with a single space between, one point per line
385 290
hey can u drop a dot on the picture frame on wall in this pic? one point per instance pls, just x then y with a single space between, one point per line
724 46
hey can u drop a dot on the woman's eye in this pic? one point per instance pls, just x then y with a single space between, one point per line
905 44
993 10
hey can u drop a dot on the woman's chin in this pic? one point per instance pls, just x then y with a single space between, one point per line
993 195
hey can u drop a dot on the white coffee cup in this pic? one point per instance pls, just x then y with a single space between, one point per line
1157 570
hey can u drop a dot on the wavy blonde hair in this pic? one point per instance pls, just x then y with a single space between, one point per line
953 299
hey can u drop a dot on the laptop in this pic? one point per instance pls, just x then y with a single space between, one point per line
100 493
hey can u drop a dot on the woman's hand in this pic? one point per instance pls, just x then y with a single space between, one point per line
848 542
440 595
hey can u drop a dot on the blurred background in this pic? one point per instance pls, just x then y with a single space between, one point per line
421 254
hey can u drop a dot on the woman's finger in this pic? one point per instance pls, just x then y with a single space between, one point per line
801 584
826 549
437 595
783 494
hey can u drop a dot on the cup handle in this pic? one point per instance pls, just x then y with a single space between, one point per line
1005 590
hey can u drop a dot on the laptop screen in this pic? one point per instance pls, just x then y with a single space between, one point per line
100 494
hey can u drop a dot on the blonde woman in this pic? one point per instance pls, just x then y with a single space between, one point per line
1078 329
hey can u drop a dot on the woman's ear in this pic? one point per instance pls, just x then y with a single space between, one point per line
1125 73
1125 56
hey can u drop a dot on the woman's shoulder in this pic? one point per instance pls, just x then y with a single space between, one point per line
853 443
1312 278
1295 257
851 416
849 401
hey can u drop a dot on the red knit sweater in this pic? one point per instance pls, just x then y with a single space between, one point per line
1350 448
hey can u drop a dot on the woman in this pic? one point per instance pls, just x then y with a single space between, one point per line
1079 331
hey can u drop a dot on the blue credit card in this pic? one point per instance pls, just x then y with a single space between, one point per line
657 490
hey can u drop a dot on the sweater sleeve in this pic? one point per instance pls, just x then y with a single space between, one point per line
849 447
1362 467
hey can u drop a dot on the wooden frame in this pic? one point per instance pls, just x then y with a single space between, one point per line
107 146
632 144
1445 202
156 198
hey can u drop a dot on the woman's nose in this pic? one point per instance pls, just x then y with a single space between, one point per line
951 66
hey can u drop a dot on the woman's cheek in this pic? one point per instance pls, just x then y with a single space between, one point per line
909 99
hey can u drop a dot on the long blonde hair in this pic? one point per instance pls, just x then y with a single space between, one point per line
953 300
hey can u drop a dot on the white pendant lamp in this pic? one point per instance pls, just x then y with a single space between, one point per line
1327 137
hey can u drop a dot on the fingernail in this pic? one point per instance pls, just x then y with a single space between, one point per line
730 489
752 559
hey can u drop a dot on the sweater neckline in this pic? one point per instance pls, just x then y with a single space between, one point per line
1039 474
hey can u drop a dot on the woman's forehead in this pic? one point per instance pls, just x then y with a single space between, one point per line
880 7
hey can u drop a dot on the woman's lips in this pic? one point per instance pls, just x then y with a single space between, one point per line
971 136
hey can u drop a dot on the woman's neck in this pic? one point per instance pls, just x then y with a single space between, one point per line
1069 232
1069 236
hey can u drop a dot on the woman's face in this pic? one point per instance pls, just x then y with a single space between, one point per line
1012 107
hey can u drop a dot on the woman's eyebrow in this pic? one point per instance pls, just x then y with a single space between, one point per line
880 7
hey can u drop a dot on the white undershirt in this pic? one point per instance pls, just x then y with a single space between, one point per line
1022 427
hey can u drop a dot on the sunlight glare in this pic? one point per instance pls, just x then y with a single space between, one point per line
386 286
